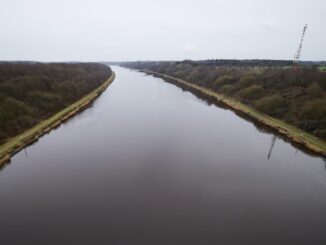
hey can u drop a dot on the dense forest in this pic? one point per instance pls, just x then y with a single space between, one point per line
31 92
296 95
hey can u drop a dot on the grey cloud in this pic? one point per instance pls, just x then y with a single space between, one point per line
93 30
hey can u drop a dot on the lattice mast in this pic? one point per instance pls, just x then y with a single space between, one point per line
297 56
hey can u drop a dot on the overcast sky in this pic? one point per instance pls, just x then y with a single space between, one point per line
107 30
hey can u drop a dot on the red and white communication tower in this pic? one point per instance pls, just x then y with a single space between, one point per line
297 55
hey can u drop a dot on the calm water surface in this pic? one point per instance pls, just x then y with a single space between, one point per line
152 164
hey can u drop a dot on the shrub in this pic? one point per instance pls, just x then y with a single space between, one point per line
315 109
221 81
26 121
43 101
3 96
246 81
322 133
227 89
273 105
10 108
314 90
252 93
3 136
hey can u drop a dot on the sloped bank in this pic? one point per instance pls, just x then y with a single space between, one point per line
17 143
292 133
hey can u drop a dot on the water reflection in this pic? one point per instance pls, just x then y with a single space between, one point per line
26 154
271 147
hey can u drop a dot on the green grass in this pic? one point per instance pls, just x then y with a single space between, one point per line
294 134
18 142
322 68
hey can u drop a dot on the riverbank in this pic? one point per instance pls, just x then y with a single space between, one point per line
294 134
17 143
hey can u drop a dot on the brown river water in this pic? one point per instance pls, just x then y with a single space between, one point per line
150 163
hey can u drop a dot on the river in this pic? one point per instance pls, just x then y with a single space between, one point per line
150 163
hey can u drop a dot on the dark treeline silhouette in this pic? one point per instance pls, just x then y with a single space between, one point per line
253 63
31 91
295 95
240 63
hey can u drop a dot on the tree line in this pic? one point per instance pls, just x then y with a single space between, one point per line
31 91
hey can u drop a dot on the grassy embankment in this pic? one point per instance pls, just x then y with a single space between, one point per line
294 134
15 144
